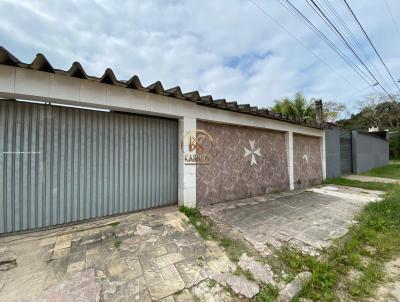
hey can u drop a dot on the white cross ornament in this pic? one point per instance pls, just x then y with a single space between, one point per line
252 152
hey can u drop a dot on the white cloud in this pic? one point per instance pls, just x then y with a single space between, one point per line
225 48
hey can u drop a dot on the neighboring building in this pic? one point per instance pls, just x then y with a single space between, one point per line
155 147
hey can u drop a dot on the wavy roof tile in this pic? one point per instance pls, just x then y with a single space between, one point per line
76 70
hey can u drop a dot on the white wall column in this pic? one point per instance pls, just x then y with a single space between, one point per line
186 173
289 156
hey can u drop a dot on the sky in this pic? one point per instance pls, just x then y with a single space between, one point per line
229 49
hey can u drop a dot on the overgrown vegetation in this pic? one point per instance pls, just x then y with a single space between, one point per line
203 228
208 231
117 243
268 293
246 273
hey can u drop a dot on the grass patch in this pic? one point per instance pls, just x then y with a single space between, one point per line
389 171
324 275
377 227
363 286
245 273
113 224
117 243
234 248
203 227
212 283
268 293
363 185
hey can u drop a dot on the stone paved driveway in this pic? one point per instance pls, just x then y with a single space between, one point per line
308 220
157 255
153 255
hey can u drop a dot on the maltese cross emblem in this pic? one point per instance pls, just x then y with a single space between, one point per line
253 152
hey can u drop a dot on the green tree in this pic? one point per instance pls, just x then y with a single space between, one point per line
332 110
377 110
299 106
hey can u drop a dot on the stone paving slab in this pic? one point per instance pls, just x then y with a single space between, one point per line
261 272
239 284
80 287
146 256
308 219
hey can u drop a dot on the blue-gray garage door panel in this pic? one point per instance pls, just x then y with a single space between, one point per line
60 165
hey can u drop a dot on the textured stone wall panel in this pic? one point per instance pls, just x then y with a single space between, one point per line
230 175
306 161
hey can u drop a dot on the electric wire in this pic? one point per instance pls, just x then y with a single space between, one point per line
372 44
288 5
329 9
265 13
324 17
391 15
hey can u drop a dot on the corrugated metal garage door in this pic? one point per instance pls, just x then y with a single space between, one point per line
60 165
346 161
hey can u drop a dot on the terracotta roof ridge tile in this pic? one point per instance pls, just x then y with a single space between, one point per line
76 70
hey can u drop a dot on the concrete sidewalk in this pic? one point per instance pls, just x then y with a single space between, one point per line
308 219
364 178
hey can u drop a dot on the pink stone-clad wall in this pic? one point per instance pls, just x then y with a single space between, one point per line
230 175
306 161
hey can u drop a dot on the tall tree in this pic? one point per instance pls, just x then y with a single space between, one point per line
332 110
375 110
301 107
298 106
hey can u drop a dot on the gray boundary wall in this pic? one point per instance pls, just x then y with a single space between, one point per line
369 152
332 136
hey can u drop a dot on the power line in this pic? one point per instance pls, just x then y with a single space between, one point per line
372 44
324 17
264 12
332 26
352 38
391 15
297 13
359 91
